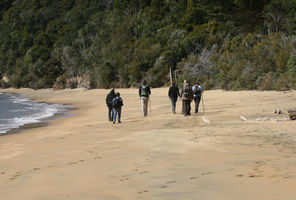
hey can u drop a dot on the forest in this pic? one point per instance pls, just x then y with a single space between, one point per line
225 44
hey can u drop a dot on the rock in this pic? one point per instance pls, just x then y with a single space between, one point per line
5 79
243 118
60 84
71 83
278 111
83 81
205 120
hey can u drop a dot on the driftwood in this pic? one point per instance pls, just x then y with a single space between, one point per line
292 114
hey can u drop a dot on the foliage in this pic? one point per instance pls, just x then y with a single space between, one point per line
241 44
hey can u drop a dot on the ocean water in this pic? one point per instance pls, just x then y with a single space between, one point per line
17 111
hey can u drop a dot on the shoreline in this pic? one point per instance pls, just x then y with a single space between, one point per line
162 156
68 108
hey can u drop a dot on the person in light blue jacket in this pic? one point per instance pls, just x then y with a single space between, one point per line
117 103
197 93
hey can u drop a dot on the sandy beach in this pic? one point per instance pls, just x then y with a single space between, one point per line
239 149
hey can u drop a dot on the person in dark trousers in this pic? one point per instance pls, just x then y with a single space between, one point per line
173 95
183 106
197 93
144 93
117 103
109 99
187 96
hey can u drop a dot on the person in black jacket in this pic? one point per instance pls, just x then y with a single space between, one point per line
173 95
109 99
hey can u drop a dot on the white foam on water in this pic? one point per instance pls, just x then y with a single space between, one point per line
36 113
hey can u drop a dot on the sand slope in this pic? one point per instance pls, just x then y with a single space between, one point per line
238 149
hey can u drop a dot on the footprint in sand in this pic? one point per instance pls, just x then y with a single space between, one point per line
97 157
124 178
194 177
254 175
36 169
206 173
2 173
170 182
17 174
74 163
144 172
167 183
144 191
260 163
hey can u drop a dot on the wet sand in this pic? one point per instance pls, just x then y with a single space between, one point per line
238 149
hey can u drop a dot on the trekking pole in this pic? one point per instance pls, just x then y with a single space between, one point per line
150 105
203 106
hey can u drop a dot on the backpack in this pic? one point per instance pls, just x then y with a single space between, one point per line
144 91
187 91
196 90
116 102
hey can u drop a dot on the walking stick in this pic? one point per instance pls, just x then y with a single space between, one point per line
150 105
203 106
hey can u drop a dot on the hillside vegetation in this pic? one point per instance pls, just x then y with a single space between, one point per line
230 44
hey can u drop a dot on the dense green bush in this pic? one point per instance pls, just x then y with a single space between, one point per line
222 44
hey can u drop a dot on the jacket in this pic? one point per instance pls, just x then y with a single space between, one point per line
199 89
174 92
118 101
110 97
184 94
147 90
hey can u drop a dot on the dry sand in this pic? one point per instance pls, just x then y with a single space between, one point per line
163 156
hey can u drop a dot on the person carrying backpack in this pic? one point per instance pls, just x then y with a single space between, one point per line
173 95
109 100
197 93
117 103
144 93
187 96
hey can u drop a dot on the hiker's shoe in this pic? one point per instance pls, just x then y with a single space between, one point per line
113 122
119 122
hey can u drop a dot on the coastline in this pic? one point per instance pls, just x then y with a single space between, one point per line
162 156
37 121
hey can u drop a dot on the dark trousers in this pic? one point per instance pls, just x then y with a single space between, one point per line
187 107
110 113
116 112
173 101
197 101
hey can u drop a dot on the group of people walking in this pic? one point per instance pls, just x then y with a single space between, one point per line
114 103
186 94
